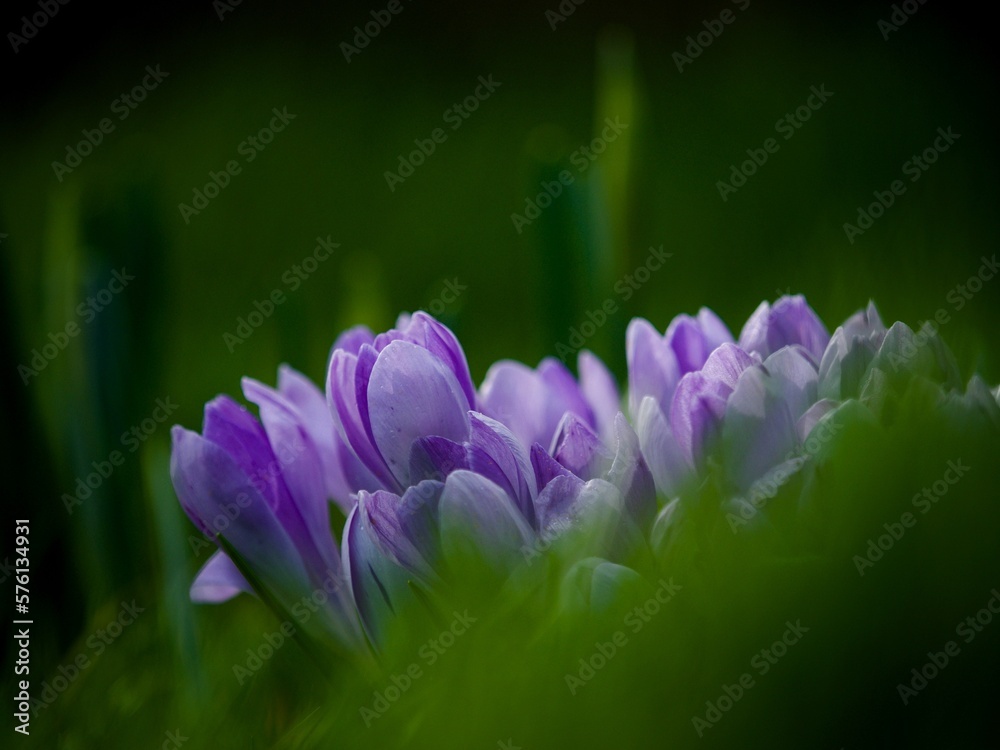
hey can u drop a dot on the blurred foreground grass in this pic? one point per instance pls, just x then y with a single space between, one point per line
505 676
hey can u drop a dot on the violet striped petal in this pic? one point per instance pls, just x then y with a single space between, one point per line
411 394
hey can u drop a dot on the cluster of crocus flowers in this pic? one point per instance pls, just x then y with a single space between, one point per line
429 471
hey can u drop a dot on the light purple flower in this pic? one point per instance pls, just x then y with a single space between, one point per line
388 390
678 383
532 403
265 487
789 321
456 481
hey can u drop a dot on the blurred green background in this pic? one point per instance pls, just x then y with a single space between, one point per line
446 227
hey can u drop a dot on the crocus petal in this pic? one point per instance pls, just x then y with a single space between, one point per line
300 464
555 502
652 365
218 580
311 411
351 340
758 430
562 394
601 393
512 394
715 331
844 364
545 467
686 339
789 321
667 463
631 475
385 515
905 353
578 448
532 402
435 458
795 377
509 455
694 339
812 416
379 587
341 396
424 331
412 393
480 521
726 363
234 429
695 414
439 339
590 514
699 401
419 518
216 493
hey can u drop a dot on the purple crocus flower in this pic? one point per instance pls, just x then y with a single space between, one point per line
682 384
264 486
454 480
533 402
697 352
757 413
770 413
789 321
388 390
